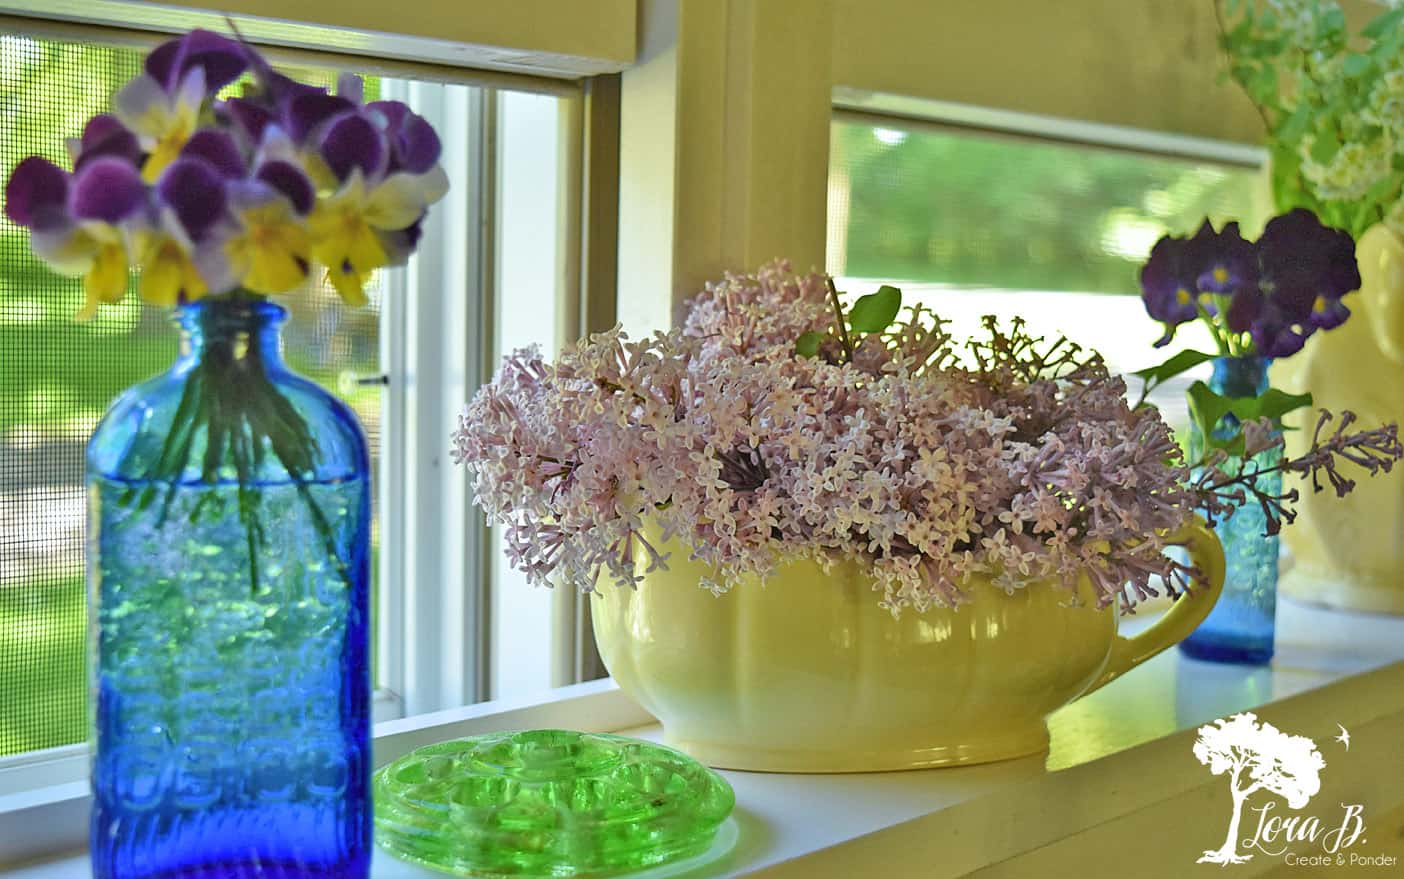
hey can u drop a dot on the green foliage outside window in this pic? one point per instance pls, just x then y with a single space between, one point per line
921 204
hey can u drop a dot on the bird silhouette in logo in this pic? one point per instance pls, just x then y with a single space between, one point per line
1344 737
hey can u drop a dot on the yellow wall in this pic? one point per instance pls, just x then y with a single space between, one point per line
1143 63
565 38
1149 64
597 29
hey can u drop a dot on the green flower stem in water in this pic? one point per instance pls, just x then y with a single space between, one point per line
229 397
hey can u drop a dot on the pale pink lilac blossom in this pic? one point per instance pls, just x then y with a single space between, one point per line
1008 457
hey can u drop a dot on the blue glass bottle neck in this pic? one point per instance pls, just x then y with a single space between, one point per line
239 327
1240 376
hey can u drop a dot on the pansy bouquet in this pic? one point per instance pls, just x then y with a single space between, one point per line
1260 300
1262 297
221 179
213 196
777 424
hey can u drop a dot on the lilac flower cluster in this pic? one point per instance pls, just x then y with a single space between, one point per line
1265 297
1014 459
210 195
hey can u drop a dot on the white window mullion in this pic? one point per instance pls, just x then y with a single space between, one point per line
442 334
390 494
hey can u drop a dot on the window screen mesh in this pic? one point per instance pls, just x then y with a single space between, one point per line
57 377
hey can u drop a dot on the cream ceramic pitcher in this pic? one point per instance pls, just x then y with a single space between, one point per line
1349 551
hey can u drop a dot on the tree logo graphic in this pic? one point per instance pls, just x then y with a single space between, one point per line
1256 756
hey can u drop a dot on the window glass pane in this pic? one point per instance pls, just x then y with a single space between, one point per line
57 377
973 224
528 275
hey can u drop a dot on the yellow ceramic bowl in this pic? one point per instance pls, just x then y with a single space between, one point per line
808 674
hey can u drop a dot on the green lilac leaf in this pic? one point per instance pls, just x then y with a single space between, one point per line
1273 404
1324 149
807 345
1384 24
1296 124
1206 408
1356 65
1332 23
1181 362
876 311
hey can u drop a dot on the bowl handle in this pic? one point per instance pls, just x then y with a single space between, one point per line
1184 616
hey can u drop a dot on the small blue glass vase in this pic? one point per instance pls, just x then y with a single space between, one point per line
1240 629
229 603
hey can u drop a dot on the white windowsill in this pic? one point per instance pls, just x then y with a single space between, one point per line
783 817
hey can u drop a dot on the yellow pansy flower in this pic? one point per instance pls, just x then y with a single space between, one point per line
347 225
162 121
271 251
168 275
96 252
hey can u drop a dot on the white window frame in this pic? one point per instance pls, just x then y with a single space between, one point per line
876 106
433 611
433 630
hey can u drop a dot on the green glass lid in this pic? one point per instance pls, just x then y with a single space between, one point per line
548 803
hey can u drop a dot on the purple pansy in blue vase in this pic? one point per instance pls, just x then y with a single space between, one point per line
1261 300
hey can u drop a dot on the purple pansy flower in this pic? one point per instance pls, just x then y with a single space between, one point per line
1307 268
351 142
223 60
1327 314
206 195
1168 282
289 181
305 113
1245 308
36 195
1280 289
250 117
104 135
195 189
107 190
217 148
414 145
1230 261
1274 337
400 244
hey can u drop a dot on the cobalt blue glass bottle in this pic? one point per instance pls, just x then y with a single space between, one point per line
228 559
1241 627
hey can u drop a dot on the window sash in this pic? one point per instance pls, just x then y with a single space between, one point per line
436 349
900 110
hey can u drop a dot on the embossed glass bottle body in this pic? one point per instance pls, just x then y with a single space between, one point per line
1241 627
229 631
